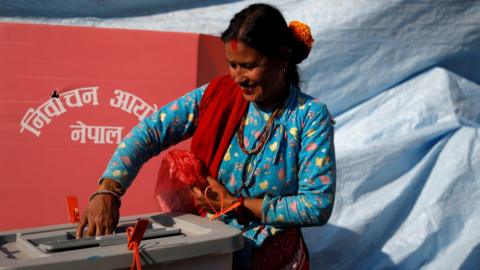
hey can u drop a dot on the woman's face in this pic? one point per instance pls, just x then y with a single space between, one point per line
261 78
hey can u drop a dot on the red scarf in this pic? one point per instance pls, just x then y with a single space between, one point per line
221 110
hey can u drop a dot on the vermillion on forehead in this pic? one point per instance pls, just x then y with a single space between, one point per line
242 54
233 43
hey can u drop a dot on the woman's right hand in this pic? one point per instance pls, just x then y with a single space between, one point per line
100 217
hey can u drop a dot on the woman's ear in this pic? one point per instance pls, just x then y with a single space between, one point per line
285 54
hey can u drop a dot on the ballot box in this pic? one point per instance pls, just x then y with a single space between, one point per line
170 241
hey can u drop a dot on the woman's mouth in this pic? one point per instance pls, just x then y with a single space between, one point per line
248 89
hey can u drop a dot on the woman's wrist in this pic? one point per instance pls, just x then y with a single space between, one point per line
229 201
112 186
239 210
107 192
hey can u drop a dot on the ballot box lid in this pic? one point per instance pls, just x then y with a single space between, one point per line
169 237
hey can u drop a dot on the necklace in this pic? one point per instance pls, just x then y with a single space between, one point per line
263 136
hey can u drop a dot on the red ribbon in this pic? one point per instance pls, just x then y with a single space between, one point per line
135 236
222 211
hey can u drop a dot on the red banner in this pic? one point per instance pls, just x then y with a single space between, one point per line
68 96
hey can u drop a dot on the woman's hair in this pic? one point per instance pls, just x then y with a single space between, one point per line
263 28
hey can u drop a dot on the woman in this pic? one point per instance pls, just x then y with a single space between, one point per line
268 147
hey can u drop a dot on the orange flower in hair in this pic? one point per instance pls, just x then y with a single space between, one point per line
302 33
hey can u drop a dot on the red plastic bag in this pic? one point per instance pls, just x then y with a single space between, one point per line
178 170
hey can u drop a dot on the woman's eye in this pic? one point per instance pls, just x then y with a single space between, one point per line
244 66
249 66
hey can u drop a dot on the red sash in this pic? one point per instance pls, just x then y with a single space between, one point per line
221 110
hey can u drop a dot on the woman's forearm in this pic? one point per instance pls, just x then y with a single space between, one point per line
253 207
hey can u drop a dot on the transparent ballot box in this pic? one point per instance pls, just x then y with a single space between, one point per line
170 241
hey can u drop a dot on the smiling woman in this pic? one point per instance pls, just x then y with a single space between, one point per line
268 147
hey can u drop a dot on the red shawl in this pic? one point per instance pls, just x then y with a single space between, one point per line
221 110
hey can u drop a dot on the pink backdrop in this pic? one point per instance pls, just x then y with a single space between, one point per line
107 79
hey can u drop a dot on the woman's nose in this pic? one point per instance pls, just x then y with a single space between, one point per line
238 75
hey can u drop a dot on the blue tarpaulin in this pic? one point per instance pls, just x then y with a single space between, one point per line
402 78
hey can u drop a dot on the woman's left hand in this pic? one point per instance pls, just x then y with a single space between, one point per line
215 192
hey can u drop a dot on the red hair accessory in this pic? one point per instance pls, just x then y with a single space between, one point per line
302 33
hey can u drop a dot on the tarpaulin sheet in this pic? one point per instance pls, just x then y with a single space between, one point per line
402 79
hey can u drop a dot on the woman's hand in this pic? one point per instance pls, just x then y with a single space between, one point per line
214 194
101 216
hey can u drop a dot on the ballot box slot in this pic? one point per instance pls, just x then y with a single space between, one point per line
66 240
